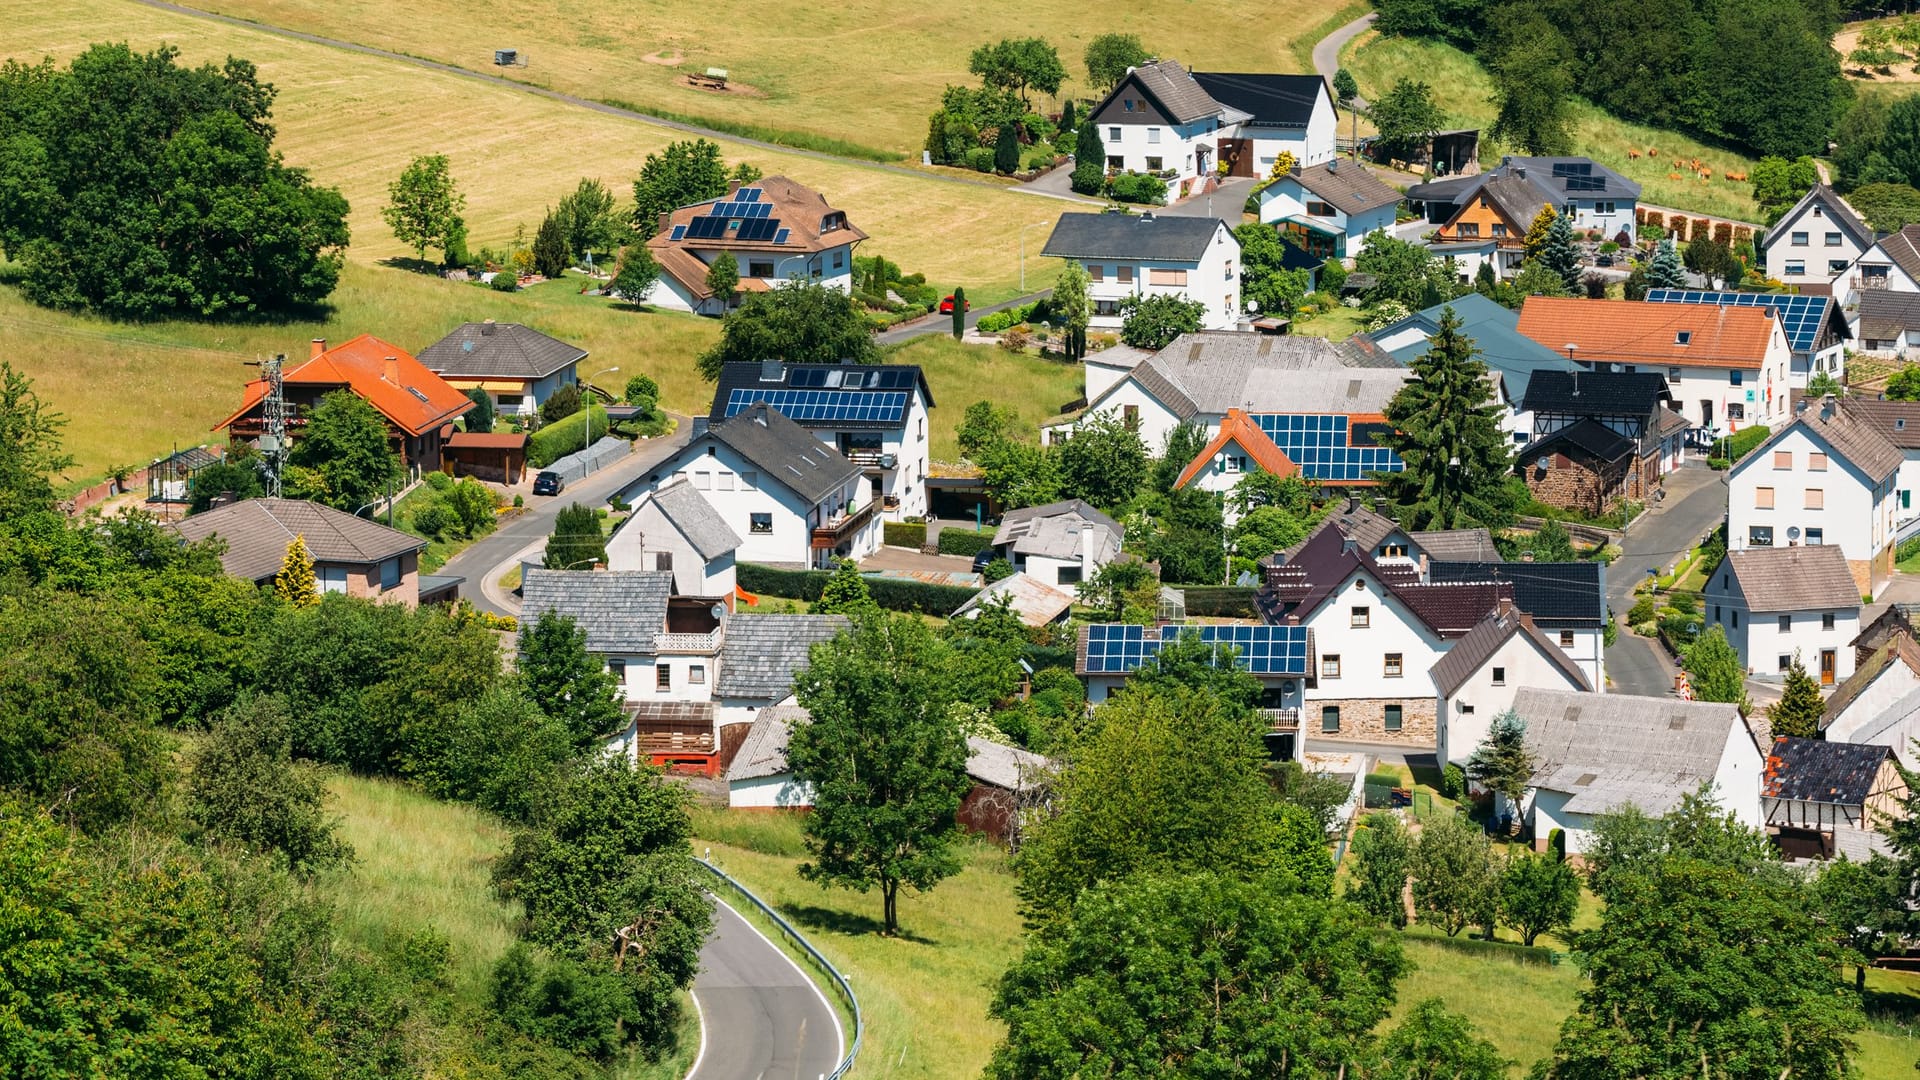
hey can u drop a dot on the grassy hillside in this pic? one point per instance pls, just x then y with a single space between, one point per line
1462 89
960 375
864 71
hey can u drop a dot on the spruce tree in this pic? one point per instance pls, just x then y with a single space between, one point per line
1089 160
845 592
1066 116
577 542
1797 713
1558 254
1502 764
1665 272
294 584
1006 151
1446 429
550 251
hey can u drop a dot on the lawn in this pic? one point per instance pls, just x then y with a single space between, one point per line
1461 88
960 375
865 72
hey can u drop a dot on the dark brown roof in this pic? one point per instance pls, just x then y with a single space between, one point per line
490 350
1452 608
1472 652
257 532
1887 313
1817 771
1350 188
1316 569
1791 578
1852 437
1903 248
1898 421
487 440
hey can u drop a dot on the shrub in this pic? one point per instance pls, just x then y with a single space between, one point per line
642 386
994 322
964 542
1557 844
504 281
558 439
979 159
439 481
619 505
1453 782
997 570
1718 464
432 519
1015 339
1642 611
1740 443
519 501
908 534
1139 188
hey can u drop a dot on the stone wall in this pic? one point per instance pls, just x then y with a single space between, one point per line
1364 720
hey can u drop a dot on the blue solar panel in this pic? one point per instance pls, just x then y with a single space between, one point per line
1800 316
780 237
826 406
1118 648
748 194
679 232
1320 443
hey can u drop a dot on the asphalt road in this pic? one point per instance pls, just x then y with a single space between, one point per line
1696 502
1326 53
943 324
488 556
760 1015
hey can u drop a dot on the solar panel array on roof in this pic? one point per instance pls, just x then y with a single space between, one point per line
852 378
1800 316
815 406
758 229
736 208
748 194
1119 648
1323 446
706 228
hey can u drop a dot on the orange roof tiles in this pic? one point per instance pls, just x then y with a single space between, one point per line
1240 428
409 396
1634 331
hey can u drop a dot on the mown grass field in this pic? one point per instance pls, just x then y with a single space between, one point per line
960 375
864 71
1461 87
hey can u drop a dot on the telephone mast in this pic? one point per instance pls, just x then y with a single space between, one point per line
273 437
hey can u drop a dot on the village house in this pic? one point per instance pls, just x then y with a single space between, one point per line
1391 546
1567 601
1816 328
1888 323
1727 367
1599 437
1510 356
1060 544
1815 243
518 367
1595 753
675 529
1824 800
874 415
1191 126
1899 423
1327 209
1779 603
419 406
1880 702
796 501
1280 658
1135 256
1476 679
351 555
1826 477
776 230
1891 264
1501 204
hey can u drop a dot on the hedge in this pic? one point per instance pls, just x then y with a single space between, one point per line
964 542
558 439
1220 601
894 594
1741 443
1525 954
909 534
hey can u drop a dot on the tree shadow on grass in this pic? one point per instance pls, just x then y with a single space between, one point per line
833 920
412 265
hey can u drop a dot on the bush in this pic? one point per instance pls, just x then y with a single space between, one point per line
1740 443
432 519
504 281
1718 464
439 481
908 534
1139 188
1383 779
964 542
1015 339
894 594
557 440
995 322
979 159
1557 844
997 570
643 386
1453 782
1907 550
1642 610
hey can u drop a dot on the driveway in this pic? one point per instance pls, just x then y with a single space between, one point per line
1696 502
1326 53
1227 202
1057 183
943 324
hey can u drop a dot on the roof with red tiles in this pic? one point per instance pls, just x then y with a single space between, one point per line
1633 331
411 397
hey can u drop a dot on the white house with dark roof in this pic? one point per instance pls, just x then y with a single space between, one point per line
1597 197
1328 208
1594 753
759 657
1476 680
792 499
1567 601
1888 322
777 231
1160 118
1815 243
1880 703
1776 603
1129 256
874 415
1890 264
677 530
519 367
1899 423
1060 544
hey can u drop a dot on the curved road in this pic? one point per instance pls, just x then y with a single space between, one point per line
1326 52
760 1015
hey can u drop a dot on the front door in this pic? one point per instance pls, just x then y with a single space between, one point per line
1706 414
1826 667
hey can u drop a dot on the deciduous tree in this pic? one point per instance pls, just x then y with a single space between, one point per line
568 683
245 788
845 592
345 444
1456 883
473 504
1532 79
1152 323
1103 462
424 206
1403 272
1539 894
685 173
1108 57
1431 1043
1446 429
798 323
723 278
1018 65
1779 183
587 214
30 454
637 275
1072 307
1407 117
1346 91
1863 907
1382 860
1714 670
1264 279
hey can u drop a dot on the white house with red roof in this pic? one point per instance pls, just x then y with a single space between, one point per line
776 230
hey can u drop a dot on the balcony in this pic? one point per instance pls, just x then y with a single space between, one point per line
830 533
707 643
868 458
1281 719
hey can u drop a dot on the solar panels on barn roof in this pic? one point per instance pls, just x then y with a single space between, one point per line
1328 447
1119 648
1800 316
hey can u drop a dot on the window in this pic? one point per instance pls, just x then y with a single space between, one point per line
1131 414
1499 676
1798 239
1329 718
1673 373
1393 551
618 669
759 268
1833 239
1469 230
1316 208
1735 377
1465 709
1096 272
760 523
1499 230
724 482
697 674
1361 616
1566 639
1603 208
1817 462
1155 164
1157 276
1906 499
1068 575
1785 662
923 429
1837 266
1816 499
390 573
1736 411
1816 537
1786 624
1153 136
1123 274
1116 162
1330 666
1106 307
331 578
1716 613
511 402
1113 133
1391 717
662 677
839 260
1393 666
1682 337
1736 619
1826 621
663 560
1795 269
1783 459
1763 498
1760 536
703 480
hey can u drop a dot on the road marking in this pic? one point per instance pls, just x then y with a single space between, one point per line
840 1036
702 1015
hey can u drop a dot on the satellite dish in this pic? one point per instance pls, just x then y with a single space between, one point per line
1545 462
1793 532
718 611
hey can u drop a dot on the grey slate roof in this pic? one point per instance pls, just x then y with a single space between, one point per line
764 751
621 610
1456 545
695 517
1213 371
499 350
1472 652
1176 91
257 532
1886 313
1804 578
1148 237
760 654
1611 750
1350 188
786 453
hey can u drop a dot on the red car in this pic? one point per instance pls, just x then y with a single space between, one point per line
946 306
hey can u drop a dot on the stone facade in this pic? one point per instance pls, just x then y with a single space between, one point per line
1871 575
1583 482
1365 720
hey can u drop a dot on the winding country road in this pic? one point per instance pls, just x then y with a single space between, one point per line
760 1015
1326 52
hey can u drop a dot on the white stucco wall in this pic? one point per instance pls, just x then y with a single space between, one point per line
1465 718
1857 514
779 791
1391 628
1213 280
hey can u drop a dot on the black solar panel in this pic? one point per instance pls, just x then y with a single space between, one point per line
748 194
1586 183
1325 450
1572 168
815 406
1800 316
1118 648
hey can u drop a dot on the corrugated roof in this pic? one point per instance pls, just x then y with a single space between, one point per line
1611 750
490 350
1804 578
689 511
760 654
1006 767
1148 237
257 532
764 751
620 610
1636 332
1472 652
1817 771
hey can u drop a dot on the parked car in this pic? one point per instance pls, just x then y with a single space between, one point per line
549 483
946 306
982 558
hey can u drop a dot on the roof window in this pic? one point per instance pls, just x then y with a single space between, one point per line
1683 337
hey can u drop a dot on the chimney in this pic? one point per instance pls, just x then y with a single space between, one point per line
733 186
1347 546
1353 503
486 328
1503 606
666 220
1293 620
392 373
1525 619
319 346
1086 551
1826 407
1426 569
1520 171
1800 407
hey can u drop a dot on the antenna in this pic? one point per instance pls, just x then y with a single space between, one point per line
273 415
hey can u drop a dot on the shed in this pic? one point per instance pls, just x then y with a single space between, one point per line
497 456
1822 799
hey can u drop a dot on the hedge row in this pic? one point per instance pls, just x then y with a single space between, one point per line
1741 443
1525 954
908 534
1220 601
894 594
563 437
963 542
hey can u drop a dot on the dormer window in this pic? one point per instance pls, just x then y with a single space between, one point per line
833 221
1683 337
1899 424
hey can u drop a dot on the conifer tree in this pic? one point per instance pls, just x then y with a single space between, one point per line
1502 763
1800 707
1665 272
1537 232
845 593
295 584
1446 429
1089 160
1006 151
550 252
1558 255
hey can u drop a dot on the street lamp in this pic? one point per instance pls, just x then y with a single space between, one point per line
1023 251
586 440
